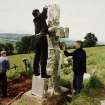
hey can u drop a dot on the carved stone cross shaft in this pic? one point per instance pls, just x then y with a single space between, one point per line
53 1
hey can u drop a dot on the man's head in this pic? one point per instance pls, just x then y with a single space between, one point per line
35 12
78 44
3 53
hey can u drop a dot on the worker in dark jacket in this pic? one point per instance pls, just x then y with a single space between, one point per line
4 66
79 65
41 43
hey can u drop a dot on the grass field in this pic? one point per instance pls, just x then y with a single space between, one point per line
17 60
94 89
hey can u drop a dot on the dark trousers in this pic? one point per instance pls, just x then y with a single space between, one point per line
41 55
3 84
78 82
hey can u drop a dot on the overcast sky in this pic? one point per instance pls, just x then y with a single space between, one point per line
81 16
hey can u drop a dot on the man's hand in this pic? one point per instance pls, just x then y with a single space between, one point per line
66 53
62 46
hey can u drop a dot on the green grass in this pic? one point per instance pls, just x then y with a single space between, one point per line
17 59
92 93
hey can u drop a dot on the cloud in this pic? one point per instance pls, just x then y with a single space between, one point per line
82 16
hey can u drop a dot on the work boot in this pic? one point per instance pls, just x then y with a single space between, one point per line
36 74
46 76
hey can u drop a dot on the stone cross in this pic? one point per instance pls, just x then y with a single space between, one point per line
56 32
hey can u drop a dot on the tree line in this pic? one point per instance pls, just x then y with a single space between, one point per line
8 47
90 40
26 44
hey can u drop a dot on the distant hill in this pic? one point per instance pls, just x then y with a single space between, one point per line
14 37
67 41
11 37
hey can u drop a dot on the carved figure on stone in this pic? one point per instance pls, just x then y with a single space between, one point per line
54 15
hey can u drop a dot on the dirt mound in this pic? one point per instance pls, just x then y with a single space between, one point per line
19 85
16 86
56 100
